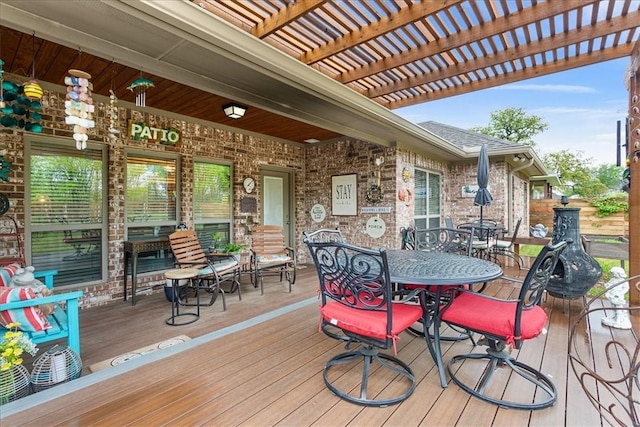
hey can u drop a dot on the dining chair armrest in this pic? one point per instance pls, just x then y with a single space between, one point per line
411 295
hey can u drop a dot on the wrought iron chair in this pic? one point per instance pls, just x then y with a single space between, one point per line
505 247
505 323
408 238
441 239
327 235
270 255
189 254
357 297
448 222
614 389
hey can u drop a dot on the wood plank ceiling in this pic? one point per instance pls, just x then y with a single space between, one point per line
395 52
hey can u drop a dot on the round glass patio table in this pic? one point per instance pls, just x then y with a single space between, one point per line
438 269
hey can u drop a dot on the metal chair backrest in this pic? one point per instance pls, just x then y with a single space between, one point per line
358 278
537 279
514 236
448 222
408 238
324 235
443 239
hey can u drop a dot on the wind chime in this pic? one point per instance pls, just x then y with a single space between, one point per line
139 86
112 113
79 106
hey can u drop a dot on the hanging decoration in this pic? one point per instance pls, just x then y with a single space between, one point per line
16 110
79 106
2 103
112 113
32 89
139 86
5 169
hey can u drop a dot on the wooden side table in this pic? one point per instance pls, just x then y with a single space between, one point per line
175 276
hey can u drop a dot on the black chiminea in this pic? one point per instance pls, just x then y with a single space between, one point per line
576 271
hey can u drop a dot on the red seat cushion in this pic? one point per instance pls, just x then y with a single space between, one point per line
494 317
368 322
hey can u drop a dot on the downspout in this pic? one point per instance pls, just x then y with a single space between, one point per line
510 191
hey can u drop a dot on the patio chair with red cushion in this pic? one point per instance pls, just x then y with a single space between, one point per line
327 235
505 324
357 297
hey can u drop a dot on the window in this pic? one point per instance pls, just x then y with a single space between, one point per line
65 209
427 199
151 205
212 203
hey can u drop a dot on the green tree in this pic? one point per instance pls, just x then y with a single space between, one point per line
515 125
608 174
575 172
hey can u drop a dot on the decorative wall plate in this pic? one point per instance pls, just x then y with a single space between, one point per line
4 204
406 174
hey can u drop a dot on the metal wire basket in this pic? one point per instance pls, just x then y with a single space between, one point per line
57 365
14 384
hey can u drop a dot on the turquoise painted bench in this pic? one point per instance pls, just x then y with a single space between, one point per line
65 322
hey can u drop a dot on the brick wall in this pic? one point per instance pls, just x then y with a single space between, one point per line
312 166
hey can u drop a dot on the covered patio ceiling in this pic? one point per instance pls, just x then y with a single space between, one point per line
313 69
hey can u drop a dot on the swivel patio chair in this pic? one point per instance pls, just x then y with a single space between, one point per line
407 238
506 247
357 297
448 222
505 324
441 239
324 235
212 273
612 388
270 255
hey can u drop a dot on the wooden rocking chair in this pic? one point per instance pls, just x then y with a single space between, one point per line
188 253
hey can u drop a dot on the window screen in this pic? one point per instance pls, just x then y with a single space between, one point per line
66 212
212 203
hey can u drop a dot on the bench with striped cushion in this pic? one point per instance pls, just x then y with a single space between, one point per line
64 322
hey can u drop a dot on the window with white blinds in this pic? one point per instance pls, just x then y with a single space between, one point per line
66 211
427 199
212 202
151 205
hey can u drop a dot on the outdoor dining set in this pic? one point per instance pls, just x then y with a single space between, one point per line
369 297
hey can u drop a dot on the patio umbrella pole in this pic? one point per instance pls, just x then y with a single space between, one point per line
483 196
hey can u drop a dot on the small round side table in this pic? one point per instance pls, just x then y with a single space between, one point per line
175 276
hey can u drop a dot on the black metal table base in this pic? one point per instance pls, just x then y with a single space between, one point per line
189 317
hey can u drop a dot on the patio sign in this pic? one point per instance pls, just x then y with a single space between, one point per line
375 227
318 213
344 194
471 190
144 132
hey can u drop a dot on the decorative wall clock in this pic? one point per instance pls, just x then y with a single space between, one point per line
249 185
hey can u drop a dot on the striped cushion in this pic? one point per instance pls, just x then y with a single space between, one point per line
7 272
31 319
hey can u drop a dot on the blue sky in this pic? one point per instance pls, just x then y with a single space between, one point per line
581 107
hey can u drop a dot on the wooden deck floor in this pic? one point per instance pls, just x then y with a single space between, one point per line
260 363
